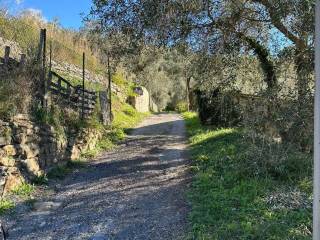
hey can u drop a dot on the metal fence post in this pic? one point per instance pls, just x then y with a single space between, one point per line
316 177
42 59
109 88
50 57
22 60
6 56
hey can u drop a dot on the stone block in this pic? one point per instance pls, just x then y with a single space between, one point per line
7 161
75 153
10 150
4 124
20 117
23 138
32 166
2 153
30 131
5 140
12 180
141 102
29 150
5 135
24 125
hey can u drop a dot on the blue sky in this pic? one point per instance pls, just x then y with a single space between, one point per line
67 11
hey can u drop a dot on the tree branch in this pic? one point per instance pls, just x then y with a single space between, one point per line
276 21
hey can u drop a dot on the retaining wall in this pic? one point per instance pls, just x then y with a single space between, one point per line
29 149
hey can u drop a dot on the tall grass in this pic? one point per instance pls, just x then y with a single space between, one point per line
68 45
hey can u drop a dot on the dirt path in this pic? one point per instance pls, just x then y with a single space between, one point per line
135 192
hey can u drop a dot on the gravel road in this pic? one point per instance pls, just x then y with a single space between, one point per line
136 191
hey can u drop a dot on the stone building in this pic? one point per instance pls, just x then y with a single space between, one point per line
142 102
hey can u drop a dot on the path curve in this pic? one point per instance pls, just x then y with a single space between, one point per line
136 191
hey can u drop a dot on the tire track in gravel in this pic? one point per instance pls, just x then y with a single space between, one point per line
136 191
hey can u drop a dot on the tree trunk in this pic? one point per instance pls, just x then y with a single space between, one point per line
188 93
303 69
266 64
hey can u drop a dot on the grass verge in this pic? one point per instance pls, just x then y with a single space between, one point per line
5 205
238 192
24 190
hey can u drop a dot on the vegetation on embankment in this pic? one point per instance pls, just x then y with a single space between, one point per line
67 45
243 190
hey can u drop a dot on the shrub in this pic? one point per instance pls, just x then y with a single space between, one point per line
5 205
286 119
181 107
218 108
24 190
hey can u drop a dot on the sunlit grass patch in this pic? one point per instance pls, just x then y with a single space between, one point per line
24 190
126 117
235 197
5 205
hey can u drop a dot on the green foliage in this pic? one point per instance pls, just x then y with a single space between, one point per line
90 154
50 117
218 108
108 142
24 190
125 117
94 122
117 134
57 118
40 180
5 206
118 79
283 162
182 107
232 200
62 171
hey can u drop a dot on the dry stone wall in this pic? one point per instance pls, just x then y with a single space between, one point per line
74 71
29 149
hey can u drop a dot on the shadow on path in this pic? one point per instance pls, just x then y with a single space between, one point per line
136 191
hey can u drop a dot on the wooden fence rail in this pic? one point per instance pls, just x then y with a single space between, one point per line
76 97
